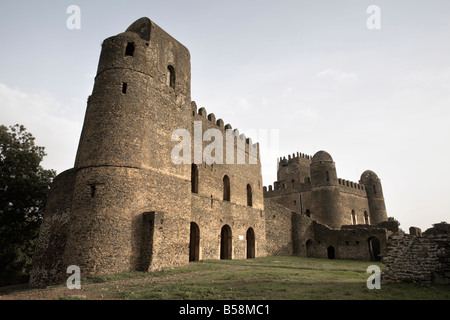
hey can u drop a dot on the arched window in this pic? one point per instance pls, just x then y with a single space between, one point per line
366 218
249 196
171 77
308 213
328 176
129 49
194 178
353 217
226 188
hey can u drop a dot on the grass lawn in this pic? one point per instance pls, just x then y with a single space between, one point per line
271 278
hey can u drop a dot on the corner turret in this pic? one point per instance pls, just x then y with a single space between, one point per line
325 191
375 196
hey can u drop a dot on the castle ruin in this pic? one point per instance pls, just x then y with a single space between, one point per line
126 205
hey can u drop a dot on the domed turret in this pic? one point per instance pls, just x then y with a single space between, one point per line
377 207
323 170
325 190
321 156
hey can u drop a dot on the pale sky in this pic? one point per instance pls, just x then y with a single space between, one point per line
374 99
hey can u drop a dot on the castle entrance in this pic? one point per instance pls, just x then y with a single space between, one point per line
194 242
148 223
225 242
330 251
250 243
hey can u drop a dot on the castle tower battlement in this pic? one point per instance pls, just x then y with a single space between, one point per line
309 185
240 141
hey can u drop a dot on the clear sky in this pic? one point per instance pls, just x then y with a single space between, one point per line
375 99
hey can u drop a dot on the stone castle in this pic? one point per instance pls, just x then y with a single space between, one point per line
126 205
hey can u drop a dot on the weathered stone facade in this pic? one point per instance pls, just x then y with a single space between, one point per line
309 185
418 258
133 203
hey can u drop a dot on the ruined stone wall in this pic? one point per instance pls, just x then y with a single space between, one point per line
417 259
350 242
48 264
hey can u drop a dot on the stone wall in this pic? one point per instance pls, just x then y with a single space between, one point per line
410 258
353 242
48 264
278 228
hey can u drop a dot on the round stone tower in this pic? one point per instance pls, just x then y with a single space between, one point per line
377 207
325 191
127 190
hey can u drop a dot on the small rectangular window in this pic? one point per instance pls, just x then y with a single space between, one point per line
129 49
93 189
124 88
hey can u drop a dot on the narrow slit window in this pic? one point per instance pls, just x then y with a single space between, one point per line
194 179
129 50
353 217
171 77
226 188
93 191
124 88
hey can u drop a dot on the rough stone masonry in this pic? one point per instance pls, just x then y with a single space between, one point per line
125 205
418 258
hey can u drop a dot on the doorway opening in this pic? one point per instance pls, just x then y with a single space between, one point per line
250 243
194 243
225 242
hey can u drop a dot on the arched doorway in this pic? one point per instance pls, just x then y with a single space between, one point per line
194 243
374 248
250 243
310 251
225 242
330 252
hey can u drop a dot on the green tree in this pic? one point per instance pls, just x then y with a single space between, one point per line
23 190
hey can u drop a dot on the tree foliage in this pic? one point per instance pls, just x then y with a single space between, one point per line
23 190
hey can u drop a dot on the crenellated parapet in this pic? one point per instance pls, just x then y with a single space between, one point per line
294 157
209 121
351 187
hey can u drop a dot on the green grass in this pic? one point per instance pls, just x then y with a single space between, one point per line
280 277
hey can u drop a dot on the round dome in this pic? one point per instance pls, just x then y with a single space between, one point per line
369 175
141 27
321 156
